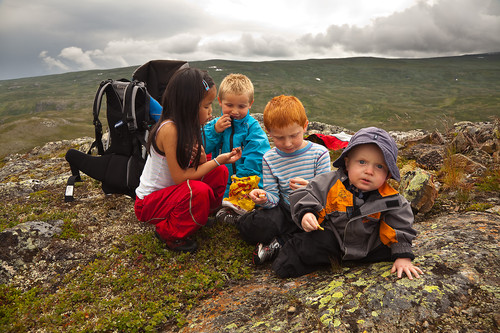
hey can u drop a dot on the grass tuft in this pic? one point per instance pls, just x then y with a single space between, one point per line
490 182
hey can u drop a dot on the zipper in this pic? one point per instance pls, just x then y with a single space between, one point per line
350 220
231 144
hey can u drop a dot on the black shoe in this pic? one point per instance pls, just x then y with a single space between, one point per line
263 253
227 215
179 245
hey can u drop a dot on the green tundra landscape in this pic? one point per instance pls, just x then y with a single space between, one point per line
104 271
396 94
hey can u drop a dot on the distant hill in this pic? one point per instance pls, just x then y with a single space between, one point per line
396 94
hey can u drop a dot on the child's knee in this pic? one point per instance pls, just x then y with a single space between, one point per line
200 190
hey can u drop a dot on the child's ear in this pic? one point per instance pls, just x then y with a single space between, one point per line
250 104
346 163
305 125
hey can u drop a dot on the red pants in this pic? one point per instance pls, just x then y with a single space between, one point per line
179 210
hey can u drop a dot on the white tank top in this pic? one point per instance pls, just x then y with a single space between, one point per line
156 174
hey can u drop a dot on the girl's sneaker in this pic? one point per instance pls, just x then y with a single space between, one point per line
263 253
179 245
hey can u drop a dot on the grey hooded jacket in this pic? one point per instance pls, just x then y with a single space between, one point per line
359 226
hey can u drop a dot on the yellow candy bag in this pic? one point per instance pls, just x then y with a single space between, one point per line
239 189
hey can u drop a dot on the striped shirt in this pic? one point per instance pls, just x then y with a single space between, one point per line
278 167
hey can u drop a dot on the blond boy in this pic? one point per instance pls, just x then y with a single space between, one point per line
236 128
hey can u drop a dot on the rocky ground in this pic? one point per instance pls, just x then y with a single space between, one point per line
457 248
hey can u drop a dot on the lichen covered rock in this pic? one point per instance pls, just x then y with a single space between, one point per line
417 186
458 292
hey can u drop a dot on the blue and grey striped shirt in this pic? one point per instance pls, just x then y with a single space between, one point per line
278 167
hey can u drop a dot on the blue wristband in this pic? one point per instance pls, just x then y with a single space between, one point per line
215 159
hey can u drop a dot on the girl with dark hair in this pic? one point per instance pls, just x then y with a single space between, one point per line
179 188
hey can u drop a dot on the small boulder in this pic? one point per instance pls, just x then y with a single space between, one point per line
20 244
490 146
427 156
431 159
461 143
417 186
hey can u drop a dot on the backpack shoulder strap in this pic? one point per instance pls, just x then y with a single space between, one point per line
95 111
129 105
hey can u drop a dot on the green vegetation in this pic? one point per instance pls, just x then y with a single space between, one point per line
490 181
396 94
479 207
139 286
40 207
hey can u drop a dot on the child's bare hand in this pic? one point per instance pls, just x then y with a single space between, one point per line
309 222
222 123
230 157
405 265
297 182
258 196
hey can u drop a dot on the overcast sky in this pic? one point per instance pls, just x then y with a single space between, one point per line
39 37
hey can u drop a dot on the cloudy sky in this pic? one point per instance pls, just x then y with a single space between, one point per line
39 37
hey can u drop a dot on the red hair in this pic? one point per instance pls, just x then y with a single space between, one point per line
282 111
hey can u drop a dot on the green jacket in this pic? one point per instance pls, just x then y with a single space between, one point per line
360 227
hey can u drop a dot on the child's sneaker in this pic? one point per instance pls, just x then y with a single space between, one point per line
227 215
263 253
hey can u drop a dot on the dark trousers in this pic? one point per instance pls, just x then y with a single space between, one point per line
263 225
307 252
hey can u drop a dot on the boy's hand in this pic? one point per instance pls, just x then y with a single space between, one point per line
222 123
297 182
258 196
309 222
405 265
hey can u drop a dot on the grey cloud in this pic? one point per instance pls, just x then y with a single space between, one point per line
53 63
458 26
181 44
54 36
249 45
111 20
268 46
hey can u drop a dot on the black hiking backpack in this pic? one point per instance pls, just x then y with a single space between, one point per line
121 156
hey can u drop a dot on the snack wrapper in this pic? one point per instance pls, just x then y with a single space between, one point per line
239 189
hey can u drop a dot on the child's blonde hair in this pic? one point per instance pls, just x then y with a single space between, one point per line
282 111
237 84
